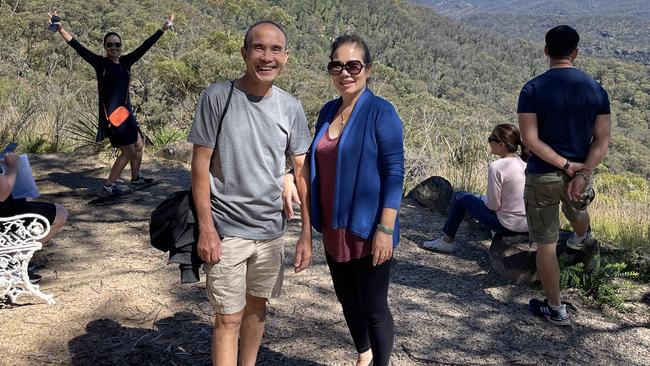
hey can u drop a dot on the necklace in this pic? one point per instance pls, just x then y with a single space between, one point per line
343 120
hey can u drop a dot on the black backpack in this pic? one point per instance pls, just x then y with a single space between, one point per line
171 219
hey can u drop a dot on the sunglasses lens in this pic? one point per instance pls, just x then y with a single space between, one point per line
354 67
111 45
334 68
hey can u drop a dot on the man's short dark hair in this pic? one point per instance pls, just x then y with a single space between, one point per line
561 41
247 36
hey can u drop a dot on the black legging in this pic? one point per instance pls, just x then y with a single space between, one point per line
362 291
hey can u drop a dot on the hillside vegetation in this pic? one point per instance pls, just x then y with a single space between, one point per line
449 81
618 29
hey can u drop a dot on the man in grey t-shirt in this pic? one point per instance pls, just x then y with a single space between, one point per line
238 193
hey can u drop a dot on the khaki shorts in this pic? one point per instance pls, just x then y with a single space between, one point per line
252 267
542 196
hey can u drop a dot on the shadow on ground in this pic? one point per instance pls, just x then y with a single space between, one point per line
182 339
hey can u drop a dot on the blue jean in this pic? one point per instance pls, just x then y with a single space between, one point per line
468 202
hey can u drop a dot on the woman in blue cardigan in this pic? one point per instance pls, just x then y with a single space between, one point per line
356 176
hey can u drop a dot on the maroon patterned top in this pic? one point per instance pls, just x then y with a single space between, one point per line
340 244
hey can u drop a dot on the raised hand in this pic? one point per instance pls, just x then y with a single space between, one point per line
169 23
54 23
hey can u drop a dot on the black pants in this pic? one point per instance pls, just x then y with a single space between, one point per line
362 291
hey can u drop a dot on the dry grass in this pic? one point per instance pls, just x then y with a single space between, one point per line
620 211
460 156
619 214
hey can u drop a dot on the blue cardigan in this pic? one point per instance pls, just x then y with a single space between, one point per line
369 166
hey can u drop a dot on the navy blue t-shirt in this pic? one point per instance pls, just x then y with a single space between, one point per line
566 101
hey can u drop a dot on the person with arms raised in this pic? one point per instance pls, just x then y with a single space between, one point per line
116 118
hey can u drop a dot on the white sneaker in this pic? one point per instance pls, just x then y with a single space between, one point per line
440 245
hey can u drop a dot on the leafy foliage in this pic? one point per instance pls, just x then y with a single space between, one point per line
603 285
444 77
162 135
82 130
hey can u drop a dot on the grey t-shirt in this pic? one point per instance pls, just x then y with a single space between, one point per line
249 163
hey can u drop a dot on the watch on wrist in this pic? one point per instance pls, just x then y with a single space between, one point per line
567 164
581 174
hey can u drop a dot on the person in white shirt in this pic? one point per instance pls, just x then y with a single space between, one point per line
502 208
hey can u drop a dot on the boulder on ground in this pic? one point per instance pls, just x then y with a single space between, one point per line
513 257
177 151
434 193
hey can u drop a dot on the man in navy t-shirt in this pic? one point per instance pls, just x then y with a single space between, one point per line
565 122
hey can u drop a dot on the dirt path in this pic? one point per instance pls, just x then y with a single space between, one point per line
118 303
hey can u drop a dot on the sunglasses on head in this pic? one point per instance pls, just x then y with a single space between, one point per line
111 45
353 67
493 138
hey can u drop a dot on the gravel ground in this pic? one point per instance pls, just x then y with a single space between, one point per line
118 303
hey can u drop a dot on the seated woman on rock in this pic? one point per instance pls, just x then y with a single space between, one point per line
502 208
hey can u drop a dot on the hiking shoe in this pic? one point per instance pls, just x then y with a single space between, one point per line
440 245
141 181
33 277
575 243
112 189
553 316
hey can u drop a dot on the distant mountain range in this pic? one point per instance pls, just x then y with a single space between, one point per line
634 8
608 28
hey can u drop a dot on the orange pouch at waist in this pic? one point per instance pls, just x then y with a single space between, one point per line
119 115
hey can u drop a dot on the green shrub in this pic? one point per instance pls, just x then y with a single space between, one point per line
82 131
628 187
603 285
162 135
37 145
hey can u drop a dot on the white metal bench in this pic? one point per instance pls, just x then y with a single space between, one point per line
19 239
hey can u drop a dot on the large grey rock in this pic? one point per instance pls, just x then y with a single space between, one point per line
513 257
434 193
177 151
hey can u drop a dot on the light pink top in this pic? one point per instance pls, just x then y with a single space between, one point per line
505 192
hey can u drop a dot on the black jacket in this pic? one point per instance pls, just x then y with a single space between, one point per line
173 228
